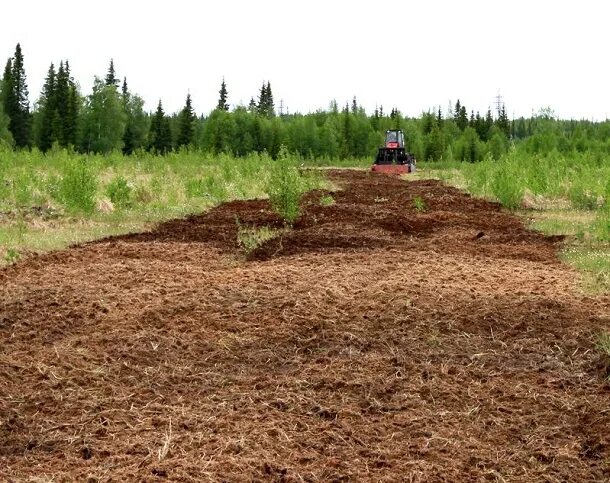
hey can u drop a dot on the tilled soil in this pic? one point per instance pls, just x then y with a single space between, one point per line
371 342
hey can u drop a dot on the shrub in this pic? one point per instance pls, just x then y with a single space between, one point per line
581 197
119 192
78 187
507 188
285 187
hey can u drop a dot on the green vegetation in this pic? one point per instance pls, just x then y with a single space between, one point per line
286 186
49 201
250 238
327 200
603 343
419 204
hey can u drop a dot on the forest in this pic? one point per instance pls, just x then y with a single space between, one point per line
112 118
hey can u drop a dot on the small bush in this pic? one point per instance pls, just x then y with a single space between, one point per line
78 187
286 187
507 189
581 197
119 192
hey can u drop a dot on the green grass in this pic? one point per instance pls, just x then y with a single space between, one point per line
603 343
50 201
249 238
327 200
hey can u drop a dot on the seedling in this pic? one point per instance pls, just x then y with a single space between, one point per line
419 204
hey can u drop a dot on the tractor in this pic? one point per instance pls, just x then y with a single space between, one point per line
392 157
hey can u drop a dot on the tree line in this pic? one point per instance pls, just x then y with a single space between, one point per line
113 118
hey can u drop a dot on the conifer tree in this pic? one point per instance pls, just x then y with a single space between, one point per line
265 101
354 106
461 118
124 92
503 122
49 117
186 124
111 79
15 97
222 101
252 105
159 136
270 103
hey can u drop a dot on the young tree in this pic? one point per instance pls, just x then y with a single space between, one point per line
159 136
186 124
222 101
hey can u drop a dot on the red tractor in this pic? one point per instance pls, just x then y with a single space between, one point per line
392 157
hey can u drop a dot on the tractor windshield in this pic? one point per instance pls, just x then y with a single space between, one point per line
390 137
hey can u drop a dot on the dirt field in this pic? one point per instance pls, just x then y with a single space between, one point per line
373 342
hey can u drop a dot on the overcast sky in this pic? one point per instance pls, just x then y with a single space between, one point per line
410 54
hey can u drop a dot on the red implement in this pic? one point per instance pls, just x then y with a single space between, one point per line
390 168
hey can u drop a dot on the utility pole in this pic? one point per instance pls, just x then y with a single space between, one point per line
499 102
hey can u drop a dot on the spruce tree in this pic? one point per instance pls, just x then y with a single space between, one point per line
63 99
15 96
252 105
186 124
159 136
49 125
270 105
222 101
265 101
124 92
354 105
111 79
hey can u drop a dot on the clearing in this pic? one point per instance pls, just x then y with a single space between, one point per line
405 332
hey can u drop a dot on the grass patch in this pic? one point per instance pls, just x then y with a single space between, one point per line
603 343
594 263
327 200
249 238
419 204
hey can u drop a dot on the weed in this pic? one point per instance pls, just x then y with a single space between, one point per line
250 238
12 255
379 199
603 343
419 204
327 200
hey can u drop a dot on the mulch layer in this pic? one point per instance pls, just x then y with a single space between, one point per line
373 342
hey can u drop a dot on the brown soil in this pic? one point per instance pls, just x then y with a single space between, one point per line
372 342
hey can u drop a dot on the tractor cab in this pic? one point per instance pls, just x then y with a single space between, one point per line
394 138
392 158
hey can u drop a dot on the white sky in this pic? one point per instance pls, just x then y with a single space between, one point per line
410 54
